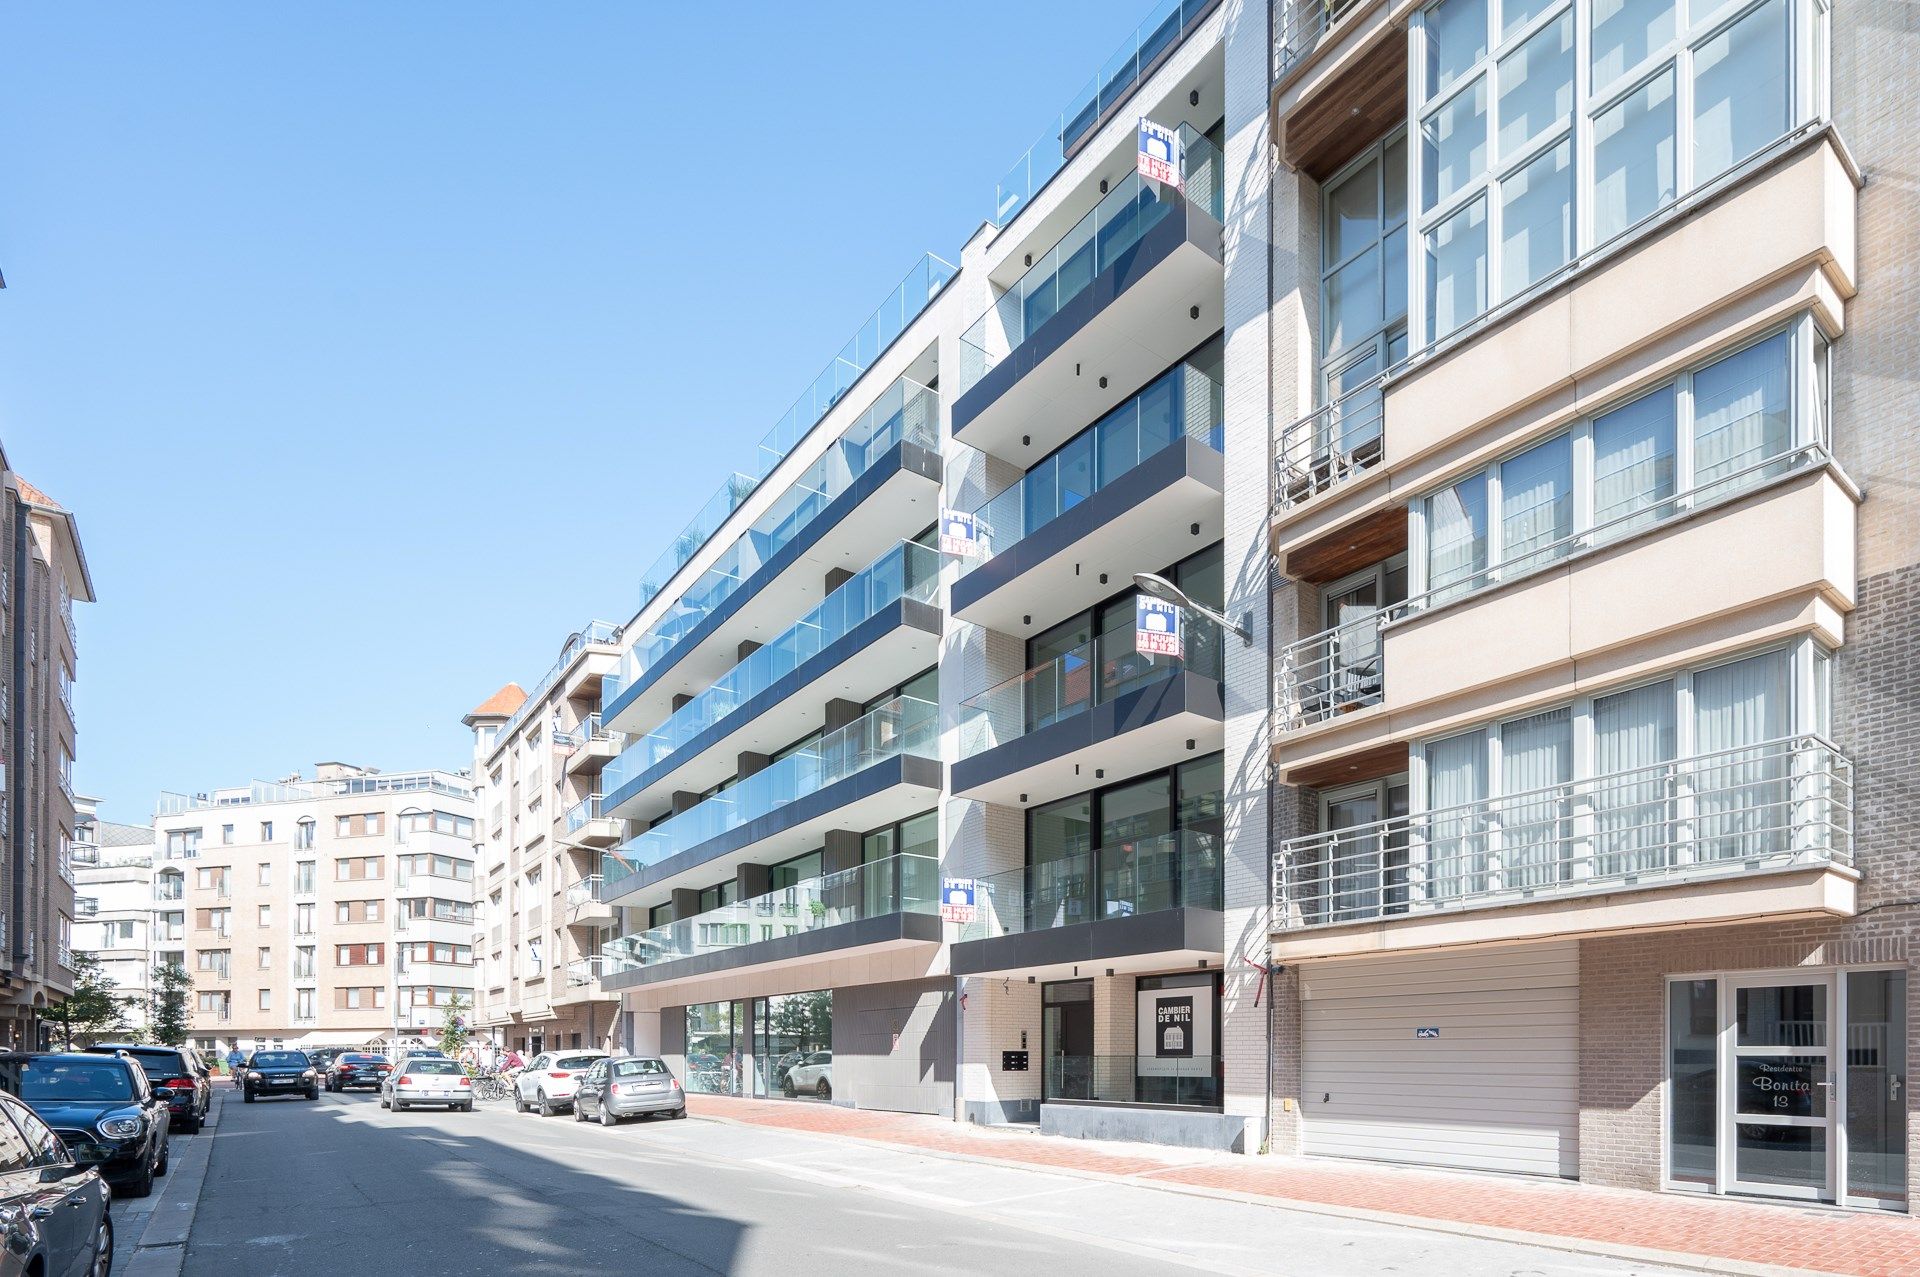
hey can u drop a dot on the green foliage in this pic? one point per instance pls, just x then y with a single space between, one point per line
167 1020
453 1029
93 1010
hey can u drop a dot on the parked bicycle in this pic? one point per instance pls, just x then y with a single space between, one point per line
492 1086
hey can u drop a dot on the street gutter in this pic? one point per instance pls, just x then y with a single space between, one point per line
161 1250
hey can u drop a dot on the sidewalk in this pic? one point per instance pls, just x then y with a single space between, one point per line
1719 1233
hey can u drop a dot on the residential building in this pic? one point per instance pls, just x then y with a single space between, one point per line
540 919
331 910
43 572
114 905
1594 520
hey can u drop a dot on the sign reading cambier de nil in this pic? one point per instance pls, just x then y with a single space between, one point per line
1173 1027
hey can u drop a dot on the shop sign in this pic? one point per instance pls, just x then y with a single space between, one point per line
1173 1027
959 534
1156 627
957 899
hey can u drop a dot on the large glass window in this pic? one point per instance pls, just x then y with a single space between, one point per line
1363 269
793 1045
1693 1104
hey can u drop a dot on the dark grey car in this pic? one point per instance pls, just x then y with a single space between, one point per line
54 1209
628 1086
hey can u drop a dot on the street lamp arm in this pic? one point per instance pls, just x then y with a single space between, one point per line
1161 588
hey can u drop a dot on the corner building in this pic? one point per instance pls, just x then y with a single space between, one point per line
1593 523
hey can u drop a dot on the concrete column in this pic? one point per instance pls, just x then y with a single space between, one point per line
840 713
842 851
752 880
747 648
686 903
837 577
747 763
684 800
681 698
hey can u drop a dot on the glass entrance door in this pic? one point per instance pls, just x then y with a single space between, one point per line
1782 1093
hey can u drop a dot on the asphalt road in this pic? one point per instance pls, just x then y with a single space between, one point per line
342 1186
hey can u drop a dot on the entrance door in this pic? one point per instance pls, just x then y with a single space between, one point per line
1783 1096
1066 1040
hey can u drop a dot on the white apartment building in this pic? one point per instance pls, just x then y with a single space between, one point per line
114 905
330 910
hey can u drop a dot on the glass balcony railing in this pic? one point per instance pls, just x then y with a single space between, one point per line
898 884
1132 208
1074 682
907 571
1112 84
1146 875
591 632
903 725
1189 1081
1781 804
905 411
584 892
1182 403
902 306
581 813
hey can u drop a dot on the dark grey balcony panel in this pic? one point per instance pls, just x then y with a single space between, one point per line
1183 459
901 612
1182 930
1183 693
908 770
1159 243
902 458
885 929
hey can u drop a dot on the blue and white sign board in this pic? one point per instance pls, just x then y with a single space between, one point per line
957 899
1162 154
959 534
1427 1031
1156 628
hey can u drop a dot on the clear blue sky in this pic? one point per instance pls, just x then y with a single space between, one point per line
378 345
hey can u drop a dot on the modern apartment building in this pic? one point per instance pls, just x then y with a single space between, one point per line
337 909
1512 398
114 905
1594 732
540 920
42 573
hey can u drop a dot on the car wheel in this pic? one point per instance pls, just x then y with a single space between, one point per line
579 1110
400 1106
467 1107
246 1097
190 1126
824 1090
142 1186
786 1087
383 1102
519 1102
314 1093
679 1113
166 1158
102 1248
546 1106
607 1118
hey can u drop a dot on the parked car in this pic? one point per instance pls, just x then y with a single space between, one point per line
54 1205
101 1107
548 1081
421 1080
324 1056
279 1073
177 1074
356 1068
813 1075
628 1086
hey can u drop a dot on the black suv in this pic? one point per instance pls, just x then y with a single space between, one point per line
357 1068
100 1106
177 1074
278 1073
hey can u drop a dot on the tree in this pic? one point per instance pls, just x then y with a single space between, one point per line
168 1019
453 1029
93 1009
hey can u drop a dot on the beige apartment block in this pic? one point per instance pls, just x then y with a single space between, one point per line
540 921
336 909
114 905
43 572
1593 523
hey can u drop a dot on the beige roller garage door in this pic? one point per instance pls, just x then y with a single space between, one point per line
1496 1089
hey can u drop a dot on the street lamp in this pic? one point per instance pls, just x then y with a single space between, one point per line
1166 591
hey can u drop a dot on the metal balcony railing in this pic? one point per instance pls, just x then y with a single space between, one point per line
1335 442
1332 672
584 971
1302 25
1784 804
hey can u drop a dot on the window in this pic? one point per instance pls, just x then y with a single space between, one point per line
359 998
266 874
357 911
303 920
303 962
266 999
215 961
303 1004
303 878
1509 189
360 825
303 834
358 868
226 835
1711 433
266 958
359 955
266 831
215 1004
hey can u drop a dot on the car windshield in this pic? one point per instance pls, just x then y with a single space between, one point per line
432 1066
279 1060
75 1080
635 1068
576 1061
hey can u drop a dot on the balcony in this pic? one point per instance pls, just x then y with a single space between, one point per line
882 767
878 480
585 908
65 955
1146 904
1760 831
590 746
579 982
1101 707
587 823
1032 367
1762 550
1107 505
889 904
1110 88
1335 443
876 631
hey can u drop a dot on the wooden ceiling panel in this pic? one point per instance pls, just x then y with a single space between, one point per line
1349 112
1351 769
1350 548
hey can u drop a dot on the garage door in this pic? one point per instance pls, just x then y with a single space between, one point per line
1467 1060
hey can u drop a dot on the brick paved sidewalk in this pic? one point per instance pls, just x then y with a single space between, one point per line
1818 1240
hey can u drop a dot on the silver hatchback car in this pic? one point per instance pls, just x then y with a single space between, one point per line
628 1086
